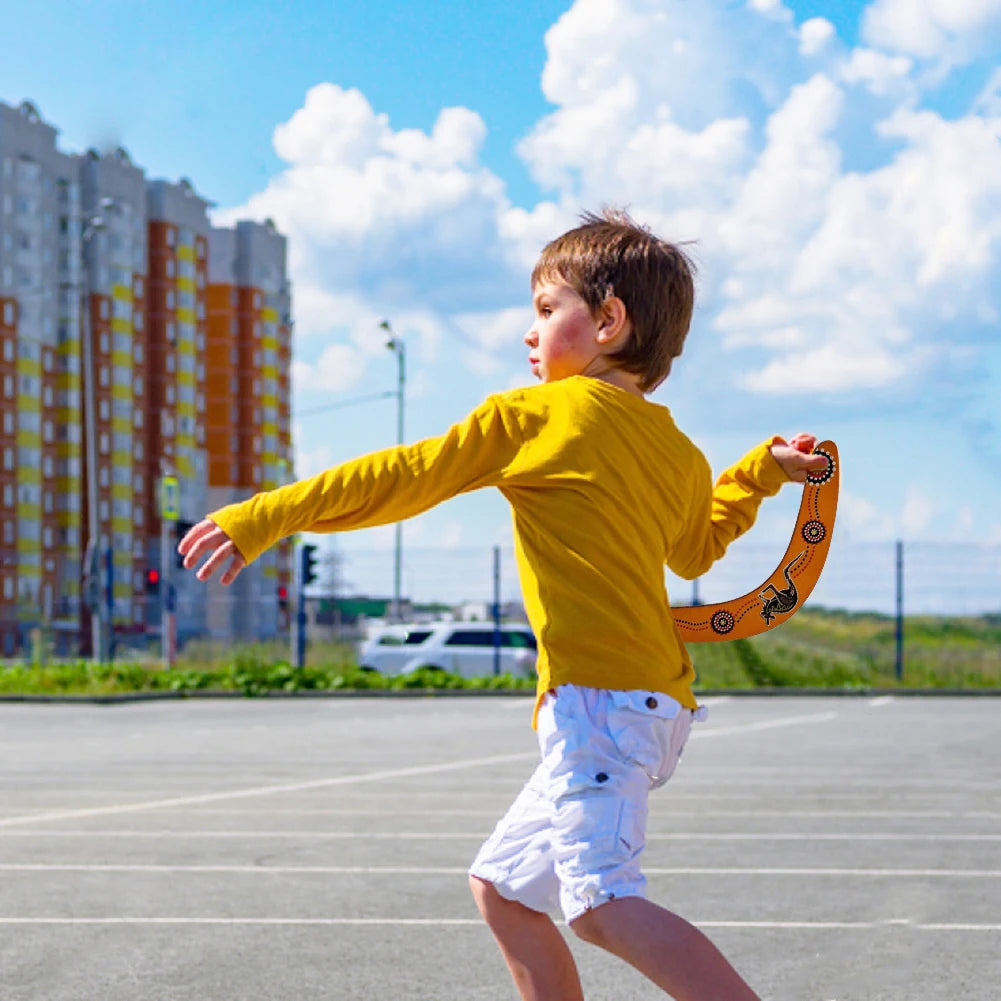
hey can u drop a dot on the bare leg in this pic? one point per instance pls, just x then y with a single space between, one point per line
674 954
533 948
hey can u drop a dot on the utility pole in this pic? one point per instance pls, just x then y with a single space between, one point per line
169 510
92 559
396 345
497 611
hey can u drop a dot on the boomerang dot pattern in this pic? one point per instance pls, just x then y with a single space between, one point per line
814 532
722 622
818 479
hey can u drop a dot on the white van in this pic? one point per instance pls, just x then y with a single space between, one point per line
462 648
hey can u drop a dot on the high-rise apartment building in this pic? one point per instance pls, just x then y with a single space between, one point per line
114 245
187 331
248 429
40 387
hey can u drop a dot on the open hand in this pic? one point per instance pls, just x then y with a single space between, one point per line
796 457
208 538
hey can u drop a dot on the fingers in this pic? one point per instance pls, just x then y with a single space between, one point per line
226 550
193 534
803 442
208 539
800 465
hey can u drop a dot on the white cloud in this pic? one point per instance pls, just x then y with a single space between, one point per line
339 367
832 368
949 32
499 328
814 35
860 518
771 8
879 72
404 217
988 101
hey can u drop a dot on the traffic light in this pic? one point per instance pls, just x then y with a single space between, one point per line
282 598
181 529
309 573
153 580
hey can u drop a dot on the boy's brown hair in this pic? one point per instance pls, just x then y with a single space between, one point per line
611 255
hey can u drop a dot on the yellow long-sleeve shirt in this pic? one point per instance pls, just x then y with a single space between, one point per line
604 488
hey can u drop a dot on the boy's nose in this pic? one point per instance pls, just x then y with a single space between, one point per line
531 338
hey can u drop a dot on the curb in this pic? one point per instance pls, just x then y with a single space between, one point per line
419 693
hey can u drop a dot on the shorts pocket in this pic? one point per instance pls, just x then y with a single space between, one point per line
585 826
640 725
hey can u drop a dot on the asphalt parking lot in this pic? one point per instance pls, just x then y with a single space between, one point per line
837 849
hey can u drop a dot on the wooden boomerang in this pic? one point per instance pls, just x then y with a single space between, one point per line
795 577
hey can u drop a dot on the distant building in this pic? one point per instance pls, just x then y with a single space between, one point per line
248 423
190 332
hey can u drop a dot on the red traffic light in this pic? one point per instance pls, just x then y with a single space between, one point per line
152 576
282 593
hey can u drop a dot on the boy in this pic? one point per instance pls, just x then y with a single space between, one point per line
604 491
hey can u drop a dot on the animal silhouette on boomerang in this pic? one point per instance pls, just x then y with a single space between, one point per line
771 604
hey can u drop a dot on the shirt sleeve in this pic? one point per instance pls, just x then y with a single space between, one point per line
723 512
385 486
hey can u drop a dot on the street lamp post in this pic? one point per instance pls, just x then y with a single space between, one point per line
396 345
92 223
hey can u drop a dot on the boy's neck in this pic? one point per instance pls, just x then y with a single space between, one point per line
620 379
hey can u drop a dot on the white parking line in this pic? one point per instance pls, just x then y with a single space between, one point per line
214 797
477 923
701 814
426 870
881 700
467 835
341 780
765 724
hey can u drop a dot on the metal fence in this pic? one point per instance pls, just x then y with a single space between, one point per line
915 578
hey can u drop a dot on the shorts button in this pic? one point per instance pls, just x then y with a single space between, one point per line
651 702
601 777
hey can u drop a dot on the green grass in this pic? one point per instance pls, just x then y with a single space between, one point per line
832 649
817 648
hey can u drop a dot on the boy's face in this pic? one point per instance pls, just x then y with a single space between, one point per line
564 337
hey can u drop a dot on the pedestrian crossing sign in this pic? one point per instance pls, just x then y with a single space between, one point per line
169 499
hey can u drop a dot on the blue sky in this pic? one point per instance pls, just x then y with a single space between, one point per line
838 166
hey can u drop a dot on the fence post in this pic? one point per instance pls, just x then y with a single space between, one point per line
899 635
497 612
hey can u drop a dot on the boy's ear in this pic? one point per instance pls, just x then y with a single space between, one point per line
613 320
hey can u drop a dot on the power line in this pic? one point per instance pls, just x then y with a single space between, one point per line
345 402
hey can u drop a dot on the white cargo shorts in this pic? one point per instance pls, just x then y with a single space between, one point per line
574 835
